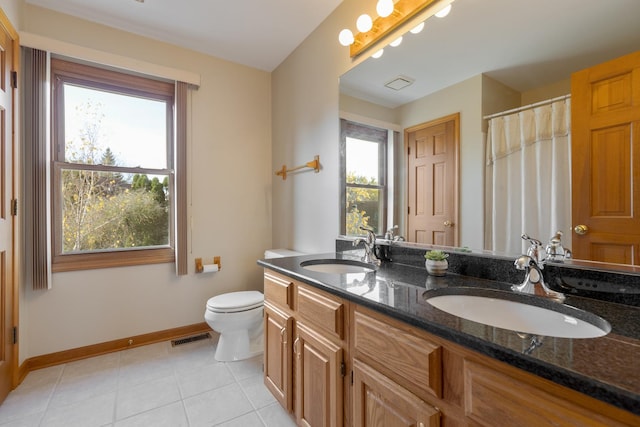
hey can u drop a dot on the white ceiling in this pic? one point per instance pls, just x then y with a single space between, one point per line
257 33
525 44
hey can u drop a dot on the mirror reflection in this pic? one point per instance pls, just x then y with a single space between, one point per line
450 97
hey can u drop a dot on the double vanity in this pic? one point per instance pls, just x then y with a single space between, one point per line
352 343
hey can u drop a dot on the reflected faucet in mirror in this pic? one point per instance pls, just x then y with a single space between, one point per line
533 263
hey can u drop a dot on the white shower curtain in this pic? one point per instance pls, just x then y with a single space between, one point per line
528 177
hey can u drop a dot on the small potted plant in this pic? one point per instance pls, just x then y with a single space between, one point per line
436 262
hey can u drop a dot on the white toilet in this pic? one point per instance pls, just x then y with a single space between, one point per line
238 318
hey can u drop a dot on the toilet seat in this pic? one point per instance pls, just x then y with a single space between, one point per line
234 302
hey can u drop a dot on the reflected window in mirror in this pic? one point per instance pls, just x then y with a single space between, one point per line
363 178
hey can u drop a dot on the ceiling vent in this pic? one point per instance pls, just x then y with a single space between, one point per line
399 82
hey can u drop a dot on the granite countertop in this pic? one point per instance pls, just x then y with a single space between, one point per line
606 368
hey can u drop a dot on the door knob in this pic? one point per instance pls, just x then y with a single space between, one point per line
448 223
581 229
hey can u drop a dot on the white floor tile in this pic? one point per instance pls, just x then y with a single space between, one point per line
155 385
97 411
106 363
144 370
257 392
275 416
143 397
193 356
209 377
172 415
47 377
75 388
23 403
246 368
26 421
249 420
217 406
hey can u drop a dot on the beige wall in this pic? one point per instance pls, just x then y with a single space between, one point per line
13 10
306 123
229 204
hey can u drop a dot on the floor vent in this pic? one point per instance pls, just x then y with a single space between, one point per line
190 339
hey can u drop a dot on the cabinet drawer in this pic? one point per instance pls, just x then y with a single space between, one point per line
490 395
278 290
323 310
402 356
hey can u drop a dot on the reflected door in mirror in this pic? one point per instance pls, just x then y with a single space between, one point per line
606 161
432 212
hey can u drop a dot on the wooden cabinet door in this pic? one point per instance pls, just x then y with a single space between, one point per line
278 369
378 401
605 157
319 372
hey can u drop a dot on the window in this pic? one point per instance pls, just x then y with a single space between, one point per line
363 177
112 152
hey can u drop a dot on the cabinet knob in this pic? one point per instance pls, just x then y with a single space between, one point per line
581 229
283 337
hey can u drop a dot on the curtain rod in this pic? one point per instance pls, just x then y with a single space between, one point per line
526 107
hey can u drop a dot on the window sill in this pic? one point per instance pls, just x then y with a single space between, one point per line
75 262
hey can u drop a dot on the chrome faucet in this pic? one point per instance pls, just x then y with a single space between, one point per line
369 246
555 250
390 232
390 235
533 263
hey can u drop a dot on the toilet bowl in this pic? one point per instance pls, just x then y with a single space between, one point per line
237 317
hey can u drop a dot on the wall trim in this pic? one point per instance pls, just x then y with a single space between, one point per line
65 356
101 57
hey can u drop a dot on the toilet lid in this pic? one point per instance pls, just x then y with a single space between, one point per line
236 301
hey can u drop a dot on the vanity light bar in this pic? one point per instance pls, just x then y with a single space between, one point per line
403 11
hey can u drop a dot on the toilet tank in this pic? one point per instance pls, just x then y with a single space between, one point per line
280 253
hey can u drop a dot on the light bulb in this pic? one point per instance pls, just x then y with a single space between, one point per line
384 8
444 11
364 23
396 42
378 54
345 37
417 28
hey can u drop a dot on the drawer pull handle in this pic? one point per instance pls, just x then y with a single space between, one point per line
283 337
295 347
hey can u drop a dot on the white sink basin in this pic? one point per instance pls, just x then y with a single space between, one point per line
517 312
337 266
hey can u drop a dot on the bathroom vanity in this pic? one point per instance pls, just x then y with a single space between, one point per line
355 348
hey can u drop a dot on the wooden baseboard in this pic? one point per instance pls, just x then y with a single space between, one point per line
58 358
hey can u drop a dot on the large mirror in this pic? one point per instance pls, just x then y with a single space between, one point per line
485 57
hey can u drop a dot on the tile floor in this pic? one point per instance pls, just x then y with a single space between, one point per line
154 385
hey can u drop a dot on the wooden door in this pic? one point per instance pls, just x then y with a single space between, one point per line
432 168
278 331
378 401
319 391
8 349
605 158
